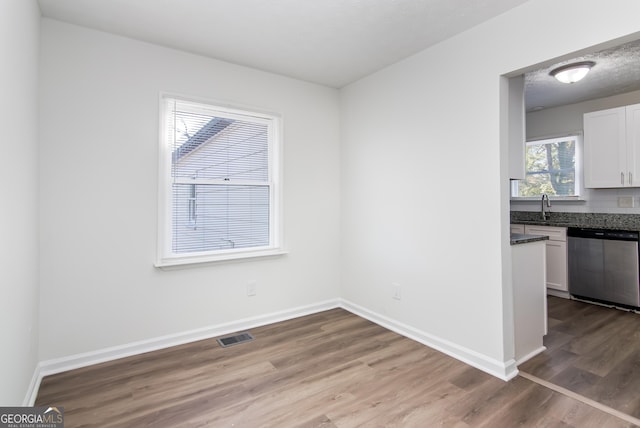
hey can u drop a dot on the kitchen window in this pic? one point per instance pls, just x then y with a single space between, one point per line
551 168
219 194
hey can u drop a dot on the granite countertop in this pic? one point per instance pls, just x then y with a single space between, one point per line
521 238
630 222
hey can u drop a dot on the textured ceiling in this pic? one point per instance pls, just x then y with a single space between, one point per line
617 70
331 42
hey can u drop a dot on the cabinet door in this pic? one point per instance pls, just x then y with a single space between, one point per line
557 265
605 150
633 145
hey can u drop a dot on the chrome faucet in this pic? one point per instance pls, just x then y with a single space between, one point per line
546 215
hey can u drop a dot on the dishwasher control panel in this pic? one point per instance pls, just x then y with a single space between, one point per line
618 235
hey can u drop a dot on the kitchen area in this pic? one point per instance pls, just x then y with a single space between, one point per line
595 253
575 200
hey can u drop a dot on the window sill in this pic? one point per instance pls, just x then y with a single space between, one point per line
193 261
537 199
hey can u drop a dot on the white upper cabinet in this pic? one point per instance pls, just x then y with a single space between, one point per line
633 143
612 147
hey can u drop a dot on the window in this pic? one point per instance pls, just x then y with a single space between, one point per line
550 168
218 183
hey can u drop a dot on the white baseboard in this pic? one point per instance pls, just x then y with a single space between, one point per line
530 355
502 370
558 293
34 386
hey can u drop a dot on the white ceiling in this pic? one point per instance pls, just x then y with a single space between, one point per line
617 70
331 42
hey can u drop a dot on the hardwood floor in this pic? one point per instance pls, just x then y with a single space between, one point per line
331 369
593 351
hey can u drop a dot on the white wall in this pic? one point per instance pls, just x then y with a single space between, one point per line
99 138
19 44
424 175
567 119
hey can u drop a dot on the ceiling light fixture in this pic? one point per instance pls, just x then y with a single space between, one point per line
572 73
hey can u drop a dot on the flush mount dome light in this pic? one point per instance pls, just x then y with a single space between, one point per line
572 73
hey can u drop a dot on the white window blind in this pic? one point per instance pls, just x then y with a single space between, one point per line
220 195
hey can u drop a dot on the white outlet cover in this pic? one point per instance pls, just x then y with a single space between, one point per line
252 288
625 201
397 294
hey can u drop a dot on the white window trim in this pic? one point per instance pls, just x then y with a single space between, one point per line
164 256
579 196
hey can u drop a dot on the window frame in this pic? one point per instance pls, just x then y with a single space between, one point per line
165 257
579 189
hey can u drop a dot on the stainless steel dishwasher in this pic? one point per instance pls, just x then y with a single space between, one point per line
603 266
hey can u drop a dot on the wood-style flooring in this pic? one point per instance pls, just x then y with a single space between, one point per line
331 369
593 351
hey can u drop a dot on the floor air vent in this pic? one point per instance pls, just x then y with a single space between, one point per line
235 339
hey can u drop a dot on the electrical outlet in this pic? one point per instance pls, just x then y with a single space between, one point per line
397 294
252 287
625 201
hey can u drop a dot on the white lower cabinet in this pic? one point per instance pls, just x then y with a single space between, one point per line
557 265
517 228
557 278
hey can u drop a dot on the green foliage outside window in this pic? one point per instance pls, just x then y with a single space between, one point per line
550 168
